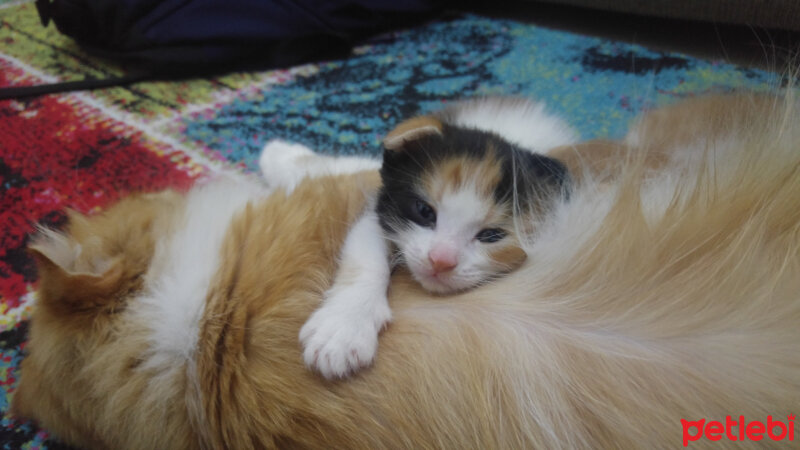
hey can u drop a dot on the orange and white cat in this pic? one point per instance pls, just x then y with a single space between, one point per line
666 289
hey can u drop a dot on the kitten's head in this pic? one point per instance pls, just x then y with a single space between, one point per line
452 197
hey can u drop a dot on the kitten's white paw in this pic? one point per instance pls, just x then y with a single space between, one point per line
280 162
341 337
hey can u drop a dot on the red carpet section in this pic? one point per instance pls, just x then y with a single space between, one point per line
56 154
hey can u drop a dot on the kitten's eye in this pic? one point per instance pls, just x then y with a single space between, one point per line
425 215
489 235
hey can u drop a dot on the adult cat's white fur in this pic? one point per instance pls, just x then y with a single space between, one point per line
284 164
342 335
183 266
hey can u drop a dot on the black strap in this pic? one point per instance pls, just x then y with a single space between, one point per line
69 86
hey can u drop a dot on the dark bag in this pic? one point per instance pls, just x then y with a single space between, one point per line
176 38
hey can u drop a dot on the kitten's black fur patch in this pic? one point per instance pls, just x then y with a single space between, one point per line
532 180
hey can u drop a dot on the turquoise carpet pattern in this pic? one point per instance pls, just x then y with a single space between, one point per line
345 107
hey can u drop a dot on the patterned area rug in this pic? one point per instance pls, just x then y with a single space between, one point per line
85 150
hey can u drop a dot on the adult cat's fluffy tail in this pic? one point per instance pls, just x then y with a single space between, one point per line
664 295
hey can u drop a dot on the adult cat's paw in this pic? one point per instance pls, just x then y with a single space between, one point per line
341 337
281 162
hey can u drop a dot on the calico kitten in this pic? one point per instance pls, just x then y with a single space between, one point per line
450 196
453 193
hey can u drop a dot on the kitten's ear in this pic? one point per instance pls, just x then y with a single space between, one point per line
547 169
67 287
411 130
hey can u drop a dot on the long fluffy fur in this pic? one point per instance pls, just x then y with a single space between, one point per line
667 288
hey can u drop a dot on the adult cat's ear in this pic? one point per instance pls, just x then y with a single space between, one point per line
411 130
66 287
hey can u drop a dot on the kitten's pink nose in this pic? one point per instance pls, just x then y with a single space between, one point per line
442 259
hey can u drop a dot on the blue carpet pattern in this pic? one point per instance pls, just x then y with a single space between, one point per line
345 108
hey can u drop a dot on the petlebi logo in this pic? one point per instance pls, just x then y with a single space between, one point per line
738 429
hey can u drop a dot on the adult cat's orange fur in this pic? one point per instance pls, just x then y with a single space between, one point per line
673 293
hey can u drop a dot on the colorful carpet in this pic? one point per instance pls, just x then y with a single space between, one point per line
85 150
